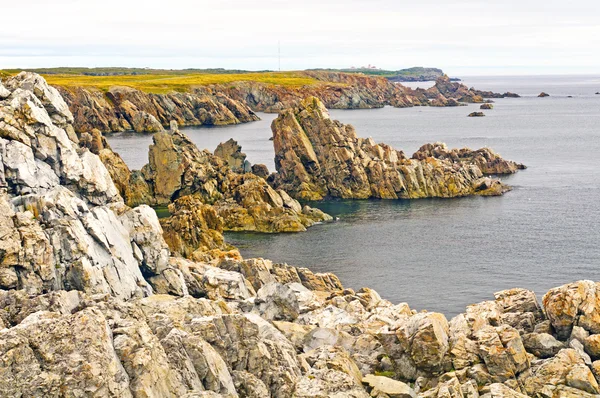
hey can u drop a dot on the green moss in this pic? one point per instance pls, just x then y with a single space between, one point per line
386 373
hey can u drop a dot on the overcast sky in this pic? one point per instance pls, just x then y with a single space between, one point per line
462 37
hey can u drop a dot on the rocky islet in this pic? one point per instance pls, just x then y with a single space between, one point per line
96 303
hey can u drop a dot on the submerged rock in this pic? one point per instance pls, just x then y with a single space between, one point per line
317 157
476 114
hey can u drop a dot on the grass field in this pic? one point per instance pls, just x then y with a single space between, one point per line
163 83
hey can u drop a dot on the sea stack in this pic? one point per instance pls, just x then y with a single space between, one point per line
317 157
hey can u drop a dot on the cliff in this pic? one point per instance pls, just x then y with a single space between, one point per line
125 108
94 304
317 157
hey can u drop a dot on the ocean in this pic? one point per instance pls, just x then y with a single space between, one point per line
444 254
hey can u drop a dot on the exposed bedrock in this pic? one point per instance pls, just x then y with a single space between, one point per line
124 108
177 169
92 302
317 157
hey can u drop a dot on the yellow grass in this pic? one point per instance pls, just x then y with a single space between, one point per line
160 84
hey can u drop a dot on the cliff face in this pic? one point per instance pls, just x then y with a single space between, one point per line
317 157
93 304
123 108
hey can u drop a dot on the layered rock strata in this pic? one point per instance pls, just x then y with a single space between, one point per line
317 157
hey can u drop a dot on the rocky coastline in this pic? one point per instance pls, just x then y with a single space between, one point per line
317 158
98 299
128 109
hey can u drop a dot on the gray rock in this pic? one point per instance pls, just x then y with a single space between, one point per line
542 345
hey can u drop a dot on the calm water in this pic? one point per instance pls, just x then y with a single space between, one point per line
442 255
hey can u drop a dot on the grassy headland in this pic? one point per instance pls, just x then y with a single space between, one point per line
161 81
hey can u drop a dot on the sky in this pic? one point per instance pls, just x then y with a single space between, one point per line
468 37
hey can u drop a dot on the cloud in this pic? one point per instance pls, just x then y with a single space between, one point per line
462 36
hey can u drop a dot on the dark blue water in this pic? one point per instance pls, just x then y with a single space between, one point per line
442 255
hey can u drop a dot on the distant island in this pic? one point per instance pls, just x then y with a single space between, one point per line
414 74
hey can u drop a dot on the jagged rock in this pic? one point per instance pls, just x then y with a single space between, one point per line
317 157
592 346
125 108
231 152
275 301
502 351
554 371
488 161
67 226
486 106
426 339
449 89
48 353
543 94
244 202
4 93
193 228
573 304
392 388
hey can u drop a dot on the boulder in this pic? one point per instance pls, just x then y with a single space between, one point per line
392 388
542 345
486 106
543 94
476 114
573 304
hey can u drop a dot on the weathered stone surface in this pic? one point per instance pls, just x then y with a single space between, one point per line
125 108
243 202
573 304
488 161
390 387
231 152
542 345
317 157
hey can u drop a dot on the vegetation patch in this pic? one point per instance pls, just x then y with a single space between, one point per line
160 83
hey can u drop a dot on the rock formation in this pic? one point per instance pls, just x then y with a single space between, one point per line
231 152
93 304
486 106
177 169
124 108
65 224
317 157
476 114
543 94
488 161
